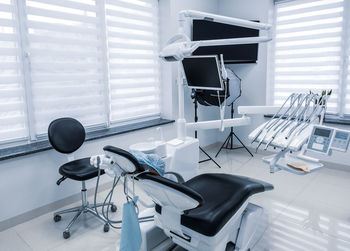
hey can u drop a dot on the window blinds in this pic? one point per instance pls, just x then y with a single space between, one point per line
308 48
96 61
347 96
66 61
133 58
13 119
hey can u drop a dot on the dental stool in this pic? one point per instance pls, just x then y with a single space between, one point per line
208 212
66 135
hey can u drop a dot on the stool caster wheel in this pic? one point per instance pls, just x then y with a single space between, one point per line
106 228
66 234
114 208
57 218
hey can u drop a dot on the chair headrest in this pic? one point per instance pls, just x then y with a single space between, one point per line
66 135
121 155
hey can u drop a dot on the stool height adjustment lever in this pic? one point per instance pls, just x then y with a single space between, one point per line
60 180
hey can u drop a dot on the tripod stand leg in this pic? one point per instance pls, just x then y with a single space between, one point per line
210 158
230 141
195 133
242 144
223 145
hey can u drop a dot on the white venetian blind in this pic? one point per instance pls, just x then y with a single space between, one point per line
13 121
347 96
66 61
132 34
308 48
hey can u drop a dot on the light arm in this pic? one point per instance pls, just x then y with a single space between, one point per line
222 19
180 45
233 41
226 20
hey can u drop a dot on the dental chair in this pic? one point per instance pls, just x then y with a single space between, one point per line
207 212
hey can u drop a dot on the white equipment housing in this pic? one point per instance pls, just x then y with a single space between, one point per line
282 140
324 139
245 228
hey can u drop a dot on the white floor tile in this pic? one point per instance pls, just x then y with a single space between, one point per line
11 241
91 241
310 214
283 235
43 233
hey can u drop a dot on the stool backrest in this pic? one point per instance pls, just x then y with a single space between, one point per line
66 135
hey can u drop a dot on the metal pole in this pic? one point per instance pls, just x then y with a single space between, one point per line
195 112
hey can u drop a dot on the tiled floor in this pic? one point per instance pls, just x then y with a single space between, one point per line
310 212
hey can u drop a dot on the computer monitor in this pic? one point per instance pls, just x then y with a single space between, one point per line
234 54
203 72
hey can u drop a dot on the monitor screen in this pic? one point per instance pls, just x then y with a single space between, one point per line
322 132
242 53
203 72
342 135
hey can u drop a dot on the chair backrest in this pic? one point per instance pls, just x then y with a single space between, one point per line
168 193
66 135
163 191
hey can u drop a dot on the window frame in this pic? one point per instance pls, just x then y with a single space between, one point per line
108 126
341 117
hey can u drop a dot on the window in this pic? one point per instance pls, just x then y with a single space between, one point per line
94 60
13 115
310 45
65 56
347 96
133 59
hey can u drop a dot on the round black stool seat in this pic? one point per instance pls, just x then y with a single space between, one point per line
79 169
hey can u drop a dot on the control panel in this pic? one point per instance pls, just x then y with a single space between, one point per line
341 141
324 138
320 139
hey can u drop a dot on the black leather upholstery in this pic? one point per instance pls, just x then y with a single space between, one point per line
66 135
125 154
177 186
223 195
79 169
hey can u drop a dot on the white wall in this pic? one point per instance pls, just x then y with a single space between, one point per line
254 76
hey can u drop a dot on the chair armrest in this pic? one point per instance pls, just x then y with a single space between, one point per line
160 185
178 177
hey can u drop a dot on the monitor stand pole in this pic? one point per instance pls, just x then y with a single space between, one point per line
196 135
228 144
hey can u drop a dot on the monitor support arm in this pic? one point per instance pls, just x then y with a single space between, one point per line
193 14
180 47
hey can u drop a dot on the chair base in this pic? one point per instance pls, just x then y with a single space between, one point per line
84 208
240 233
